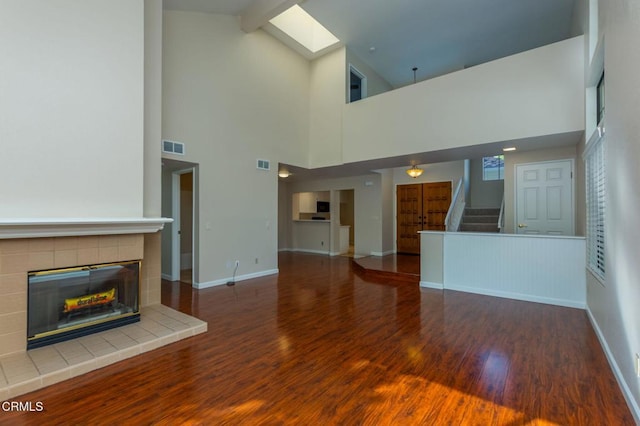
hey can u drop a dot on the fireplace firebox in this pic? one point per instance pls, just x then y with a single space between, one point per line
73 302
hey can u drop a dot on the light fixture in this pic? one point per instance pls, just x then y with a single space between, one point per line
414 171
511 148
283 174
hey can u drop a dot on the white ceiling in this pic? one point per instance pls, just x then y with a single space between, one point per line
440 36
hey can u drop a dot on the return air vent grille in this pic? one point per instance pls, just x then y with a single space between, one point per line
263 164
172 147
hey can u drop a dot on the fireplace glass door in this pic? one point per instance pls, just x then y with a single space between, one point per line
67 303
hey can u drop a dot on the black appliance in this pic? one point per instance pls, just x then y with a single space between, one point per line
322 207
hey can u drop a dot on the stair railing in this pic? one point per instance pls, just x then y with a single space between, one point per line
456 209
501 217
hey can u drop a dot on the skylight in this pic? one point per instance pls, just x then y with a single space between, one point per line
304 29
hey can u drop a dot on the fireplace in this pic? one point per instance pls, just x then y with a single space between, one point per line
72 302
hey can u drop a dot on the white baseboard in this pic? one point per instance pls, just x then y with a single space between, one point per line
326 252
166 277
436 286
518 296
628 396
382 253
224 281
285 249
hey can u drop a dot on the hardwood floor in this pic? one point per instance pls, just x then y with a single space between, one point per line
318 345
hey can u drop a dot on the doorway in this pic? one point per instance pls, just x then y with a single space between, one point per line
420 207
185 233
179 238
544 198
357 84
347 223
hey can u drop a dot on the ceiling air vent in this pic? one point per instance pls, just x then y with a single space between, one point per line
172 147
263 164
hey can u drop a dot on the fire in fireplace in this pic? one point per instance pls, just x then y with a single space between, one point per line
72 302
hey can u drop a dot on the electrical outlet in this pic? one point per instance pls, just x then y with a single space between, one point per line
322 243
638 365
237 263
256 260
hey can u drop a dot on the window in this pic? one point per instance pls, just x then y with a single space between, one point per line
600 99
493 167
596 209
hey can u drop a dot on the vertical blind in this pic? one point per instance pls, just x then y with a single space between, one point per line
596 209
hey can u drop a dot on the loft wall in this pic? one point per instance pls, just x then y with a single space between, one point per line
531 94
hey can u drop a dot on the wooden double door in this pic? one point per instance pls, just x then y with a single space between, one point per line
420 207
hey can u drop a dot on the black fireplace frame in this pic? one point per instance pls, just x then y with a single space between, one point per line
92 326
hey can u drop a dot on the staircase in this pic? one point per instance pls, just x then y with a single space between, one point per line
480 220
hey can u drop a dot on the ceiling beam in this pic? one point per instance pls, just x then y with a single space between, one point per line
261 11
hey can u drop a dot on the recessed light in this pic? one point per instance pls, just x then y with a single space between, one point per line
511 148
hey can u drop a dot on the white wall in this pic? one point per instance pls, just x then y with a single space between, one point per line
71 109
539 92
327 83
434 172
483 194
232 98
614 305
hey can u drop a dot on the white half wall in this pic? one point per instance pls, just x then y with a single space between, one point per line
535 93
71 109
533 268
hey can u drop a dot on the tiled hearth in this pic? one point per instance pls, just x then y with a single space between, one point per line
28 371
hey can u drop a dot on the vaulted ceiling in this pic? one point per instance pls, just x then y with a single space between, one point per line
436 36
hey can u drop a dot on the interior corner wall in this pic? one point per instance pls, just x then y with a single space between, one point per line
152 107
72 109
284 215
233 98
327 85
166 211
614 304
388 218
511 159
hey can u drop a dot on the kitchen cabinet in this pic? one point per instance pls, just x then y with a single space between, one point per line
307 202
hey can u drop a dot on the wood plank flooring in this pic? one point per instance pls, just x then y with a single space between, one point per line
318 345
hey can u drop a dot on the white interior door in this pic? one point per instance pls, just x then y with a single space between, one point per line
544 198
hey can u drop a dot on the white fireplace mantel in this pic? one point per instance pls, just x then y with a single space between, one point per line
66 227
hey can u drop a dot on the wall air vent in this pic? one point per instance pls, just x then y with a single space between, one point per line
263 164
171 147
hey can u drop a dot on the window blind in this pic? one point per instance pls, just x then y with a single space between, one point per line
596 207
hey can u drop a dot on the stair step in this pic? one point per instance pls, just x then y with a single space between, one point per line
481 212
480 219
479 227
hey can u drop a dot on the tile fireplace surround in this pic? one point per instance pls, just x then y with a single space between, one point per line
19 255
